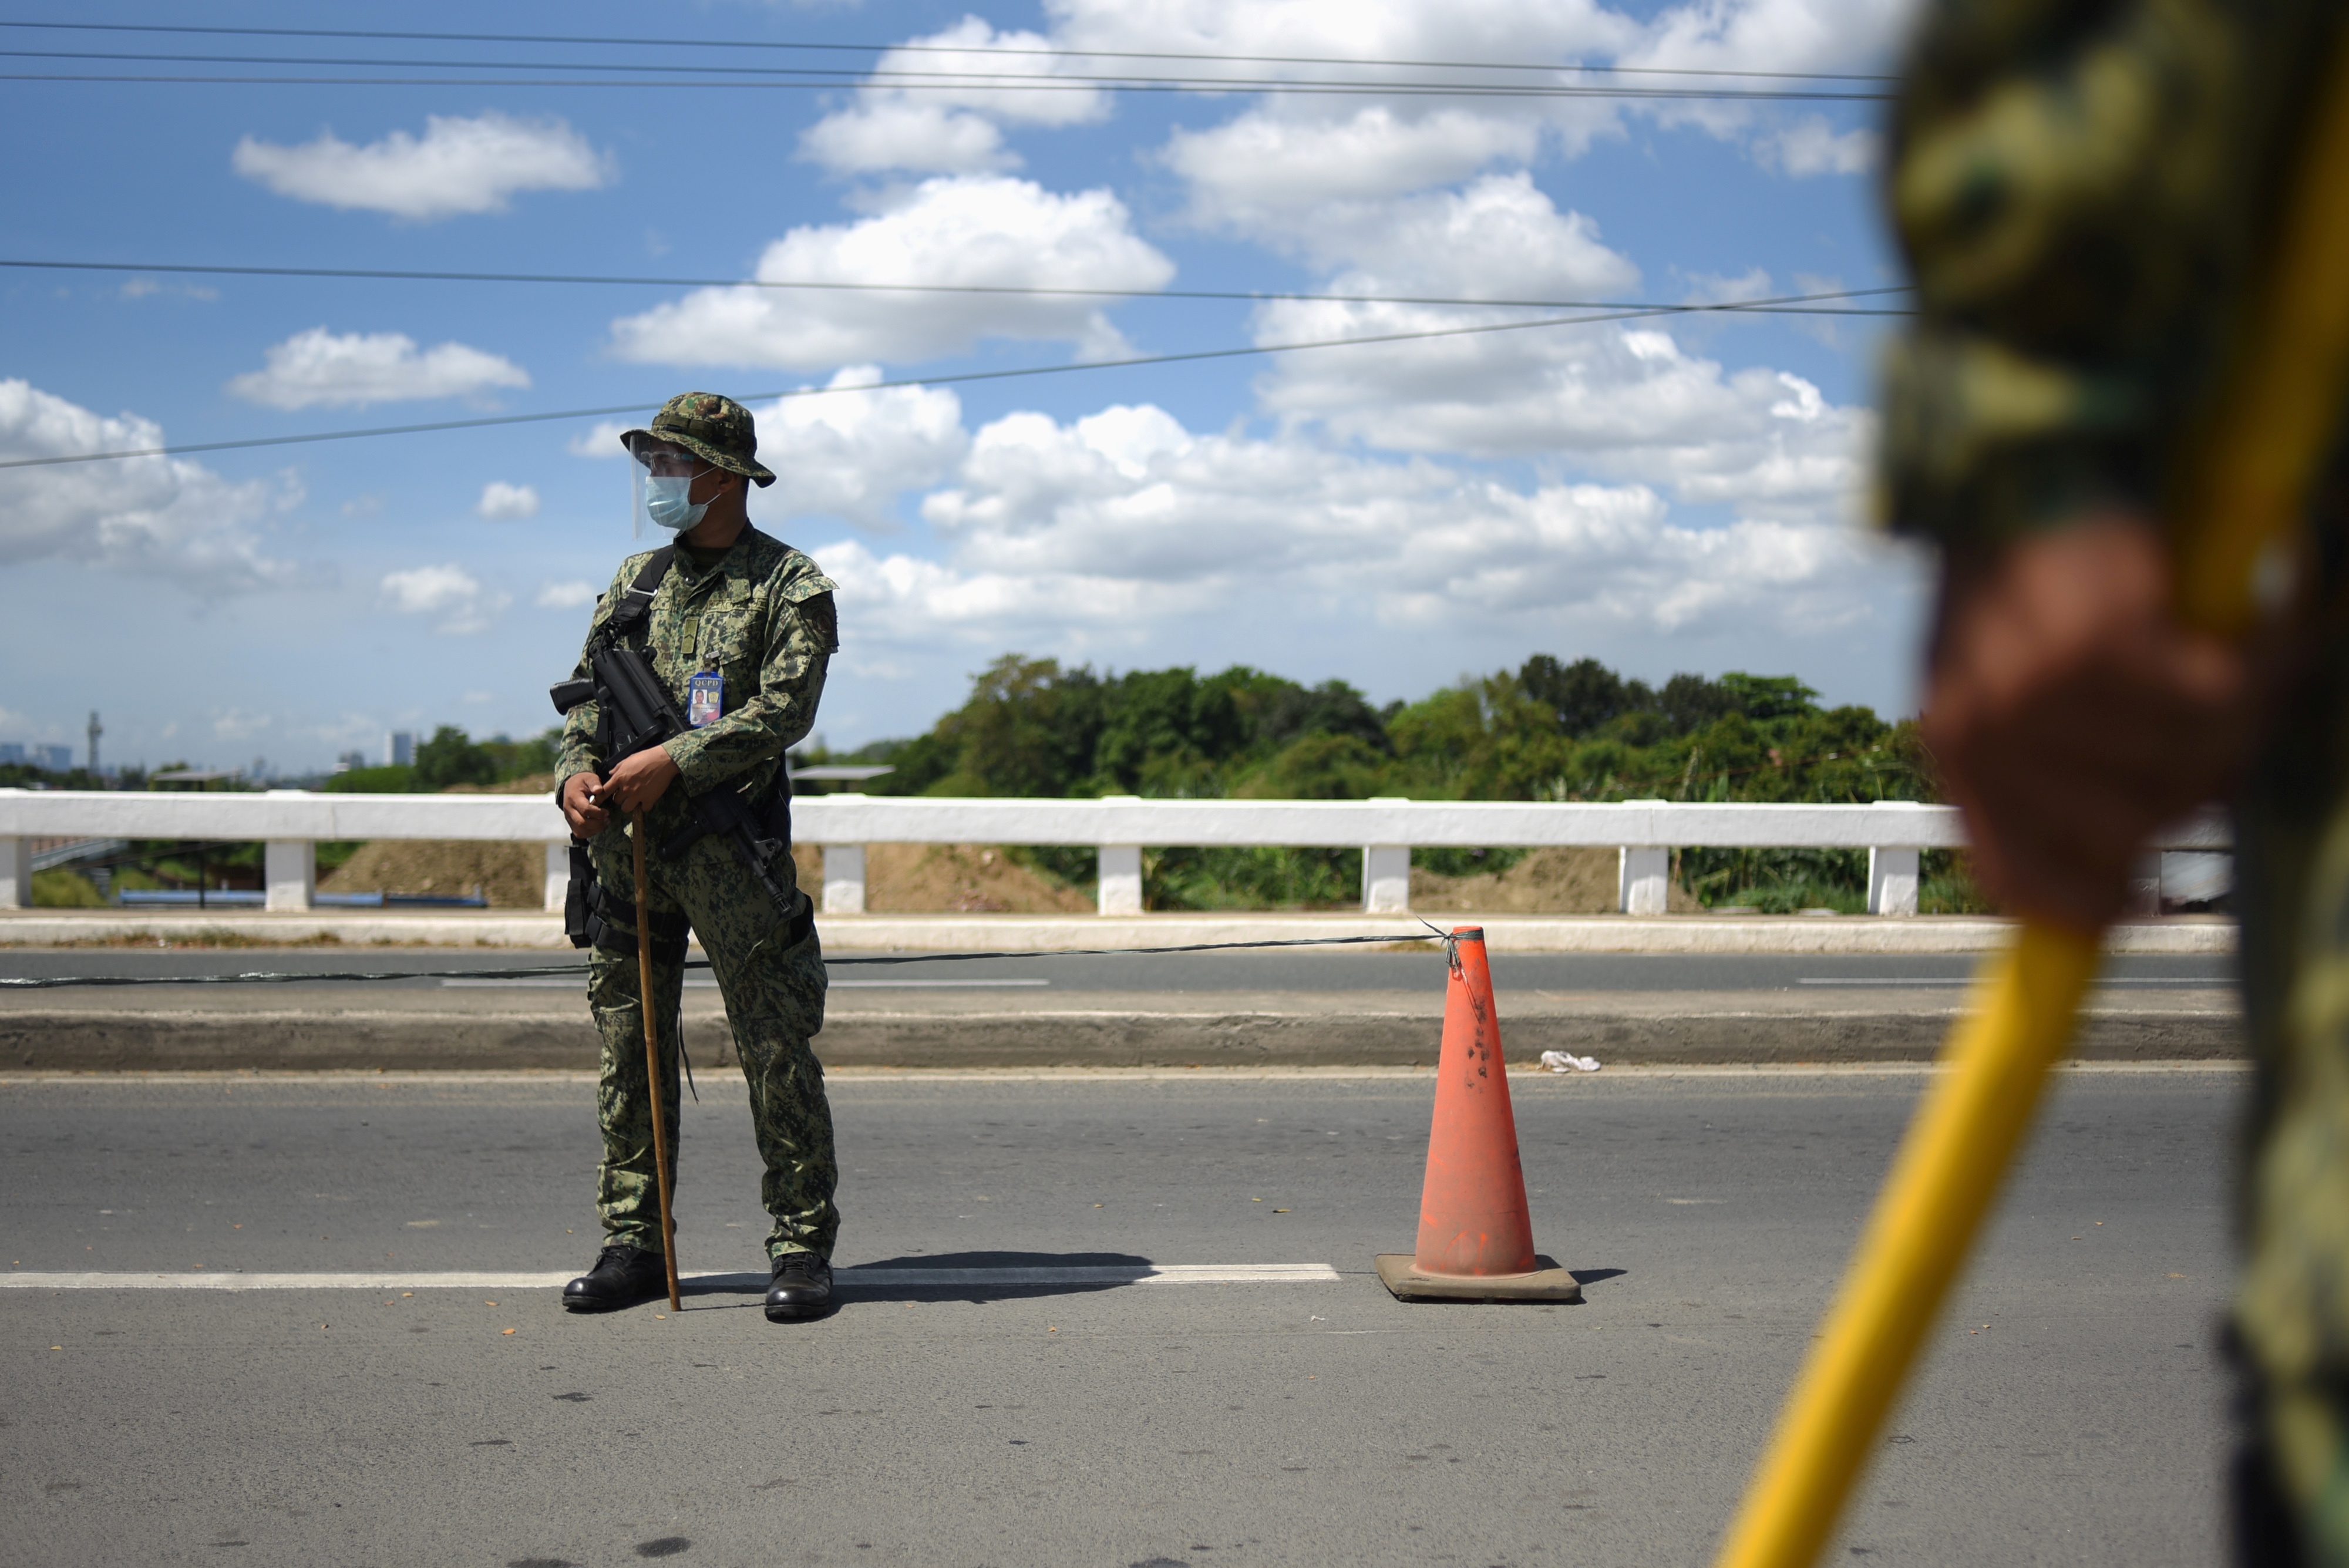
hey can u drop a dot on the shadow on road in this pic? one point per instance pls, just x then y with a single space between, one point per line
885 1279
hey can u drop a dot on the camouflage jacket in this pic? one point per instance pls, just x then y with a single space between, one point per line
2085 194
763 618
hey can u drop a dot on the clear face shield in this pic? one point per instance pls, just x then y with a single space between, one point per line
659 479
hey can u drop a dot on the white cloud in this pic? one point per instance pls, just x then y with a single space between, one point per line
235 725
940 128
504 503
427 589
853 456
318 368
927 138
159 515
1775 35
1282 159
1812 146
1716 288
1624 401
460 165
1627 403
971 230
603 440
567 595
1106 529
1501 238
144 287
449 592
1266 171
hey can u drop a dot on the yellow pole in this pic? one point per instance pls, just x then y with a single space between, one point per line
2239 507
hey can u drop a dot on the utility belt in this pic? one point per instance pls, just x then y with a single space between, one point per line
595 916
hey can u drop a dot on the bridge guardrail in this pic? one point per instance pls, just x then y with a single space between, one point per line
291 823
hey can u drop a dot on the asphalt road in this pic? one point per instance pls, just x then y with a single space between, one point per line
1277 970
2071 1413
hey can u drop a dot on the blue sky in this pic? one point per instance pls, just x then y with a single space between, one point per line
1664 496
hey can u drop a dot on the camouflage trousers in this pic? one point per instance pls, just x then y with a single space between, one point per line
774 1002
2291 1319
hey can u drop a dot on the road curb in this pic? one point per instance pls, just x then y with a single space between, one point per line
2185 935
127 1041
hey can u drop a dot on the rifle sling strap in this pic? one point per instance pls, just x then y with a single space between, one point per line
636 599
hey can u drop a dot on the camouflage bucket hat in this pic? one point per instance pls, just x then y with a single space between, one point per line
714 429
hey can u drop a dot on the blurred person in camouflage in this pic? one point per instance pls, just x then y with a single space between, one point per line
2087 194
741 628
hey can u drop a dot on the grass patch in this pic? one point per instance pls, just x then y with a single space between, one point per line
64 890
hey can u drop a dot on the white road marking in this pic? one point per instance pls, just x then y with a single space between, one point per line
230 1282
1119 1274
933 984
703 982
899 1279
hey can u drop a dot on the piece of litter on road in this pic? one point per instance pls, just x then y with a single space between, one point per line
505 1331
1567 1062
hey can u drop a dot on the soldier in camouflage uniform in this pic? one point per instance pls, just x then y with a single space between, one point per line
2089 195
758 615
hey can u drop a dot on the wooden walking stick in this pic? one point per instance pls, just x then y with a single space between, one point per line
2242 501
652 1056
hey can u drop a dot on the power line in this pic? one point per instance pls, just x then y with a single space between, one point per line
1812 303
775 80
795 392
911 48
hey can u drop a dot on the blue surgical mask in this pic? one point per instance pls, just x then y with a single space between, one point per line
668 504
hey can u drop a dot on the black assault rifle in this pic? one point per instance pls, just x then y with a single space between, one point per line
636 713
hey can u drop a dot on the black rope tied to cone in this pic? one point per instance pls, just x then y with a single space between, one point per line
263 977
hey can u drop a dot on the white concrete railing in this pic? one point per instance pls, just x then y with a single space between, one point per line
1643 834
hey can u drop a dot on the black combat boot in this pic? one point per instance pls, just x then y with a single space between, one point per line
622 1277
801 1287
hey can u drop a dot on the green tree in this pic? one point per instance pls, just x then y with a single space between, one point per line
1582 695
453 757
1551 731
1765 697
512 759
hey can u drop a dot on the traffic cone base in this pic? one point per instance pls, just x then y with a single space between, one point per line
1475 1237
1400 1272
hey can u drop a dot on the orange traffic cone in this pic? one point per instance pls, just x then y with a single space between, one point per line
1475 1239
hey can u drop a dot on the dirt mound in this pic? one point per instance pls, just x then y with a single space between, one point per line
535 784
951 878
513 876
1580 881
958 878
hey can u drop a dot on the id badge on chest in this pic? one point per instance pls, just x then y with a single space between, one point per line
705 699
